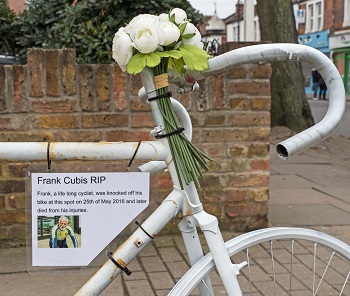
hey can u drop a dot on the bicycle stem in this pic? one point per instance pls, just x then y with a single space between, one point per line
289 52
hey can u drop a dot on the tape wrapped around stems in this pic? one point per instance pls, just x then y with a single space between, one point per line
161 81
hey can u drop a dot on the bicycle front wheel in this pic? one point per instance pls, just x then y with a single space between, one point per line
281 261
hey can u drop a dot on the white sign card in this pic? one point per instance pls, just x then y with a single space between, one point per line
100 204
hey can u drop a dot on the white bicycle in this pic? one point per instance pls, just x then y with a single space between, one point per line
323 268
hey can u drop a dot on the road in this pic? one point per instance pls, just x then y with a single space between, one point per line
319 109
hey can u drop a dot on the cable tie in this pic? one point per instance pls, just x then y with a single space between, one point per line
175 132
139 225
133 157
125 269
166 95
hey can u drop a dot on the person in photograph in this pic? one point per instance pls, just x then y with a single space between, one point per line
59 233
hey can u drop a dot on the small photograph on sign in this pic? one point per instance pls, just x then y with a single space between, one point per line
59 231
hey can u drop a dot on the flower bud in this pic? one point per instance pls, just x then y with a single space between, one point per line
178 15
121 48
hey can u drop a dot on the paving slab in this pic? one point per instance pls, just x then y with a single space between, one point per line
289 182
305 215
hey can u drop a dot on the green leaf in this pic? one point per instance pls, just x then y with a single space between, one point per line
194 57
178 64
176 54
188 36
139 61
182 28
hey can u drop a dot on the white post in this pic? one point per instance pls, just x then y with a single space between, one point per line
249 20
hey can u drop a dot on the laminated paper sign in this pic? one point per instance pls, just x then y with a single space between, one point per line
97 206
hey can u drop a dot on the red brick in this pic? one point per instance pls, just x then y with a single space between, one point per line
239 104
243 119
218 89
214 120
261 104
55 121
257 87
103 87
247 180
259 194
259 134
61 106
260 164
35 62
261 71
104 120
53 81
9 218
226 195
19 88
16 201
14 123
78 136
128 135
69 71
86 85
3 86
120 85
258 149
142 120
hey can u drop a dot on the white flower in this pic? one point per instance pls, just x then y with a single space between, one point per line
145 32
121 48
164 17
179 14
189 29
171 32
146 40
196 40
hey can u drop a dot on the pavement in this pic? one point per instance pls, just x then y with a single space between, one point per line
310 190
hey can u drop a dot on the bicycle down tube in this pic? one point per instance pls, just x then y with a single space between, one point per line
187 200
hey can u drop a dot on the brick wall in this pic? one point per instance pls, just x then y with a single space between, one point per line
53 99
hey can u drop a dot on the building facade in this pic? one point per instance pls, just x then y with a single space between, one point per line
236 25
325 25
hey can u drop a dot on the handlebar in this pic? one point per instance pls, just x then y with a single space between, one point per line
289 52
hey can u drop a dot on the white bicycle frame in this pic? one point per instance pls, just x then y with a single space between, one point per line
158 155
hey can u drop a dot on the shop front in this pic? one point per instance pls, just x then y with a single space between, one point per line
339 43
319 41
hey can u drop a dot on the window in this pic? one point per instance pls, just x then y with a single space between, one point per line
314 16
346 13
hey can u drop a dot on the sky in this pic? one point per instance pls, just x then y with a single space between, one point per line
224 8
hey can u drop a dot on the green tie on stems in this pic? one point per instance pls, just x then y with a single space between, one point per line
188 159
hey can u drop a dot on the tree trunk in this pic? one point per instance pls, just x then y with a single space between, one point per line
289 106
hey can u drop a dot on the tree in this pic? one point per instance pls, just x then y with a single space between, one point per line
8 41
88 26
289 106
34 24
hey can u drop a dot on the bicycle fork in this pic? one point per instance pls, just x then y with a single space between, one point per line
227 270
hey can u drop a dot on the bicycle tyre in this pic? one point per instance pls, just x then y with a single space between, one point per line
249 240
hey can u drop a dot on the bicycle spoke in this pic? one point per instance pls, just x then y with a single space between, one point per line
202 281
291 267
250 277
314 270
273 267
324 273
346 280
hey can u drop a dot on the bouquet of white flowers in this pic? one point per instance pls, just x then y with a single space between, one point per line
164 42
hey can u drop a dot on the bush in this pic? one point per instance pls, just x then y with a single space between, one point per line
8 39
88 26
